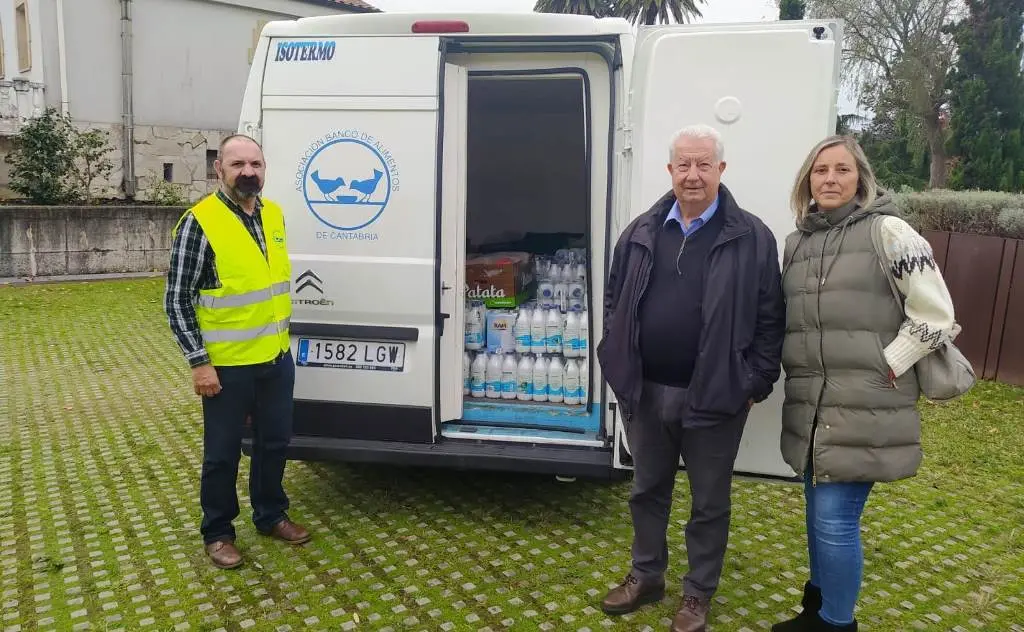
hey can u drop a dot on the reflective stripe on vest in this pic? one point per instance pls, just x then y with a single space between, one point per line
249 298
240 335
245 320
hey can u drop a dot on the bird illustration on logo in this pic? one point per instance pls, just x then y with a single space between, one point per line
347 183
329 187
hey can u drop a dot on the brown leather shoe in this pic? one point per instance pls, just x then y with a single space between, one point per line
223 554
290 532
631 594
693 616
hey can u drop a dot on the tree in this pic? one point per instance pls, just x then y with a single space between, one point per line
987 101
658 11
90 150
896 160
897 57
636 11
596 8
845 123
43 158
792 9
53 163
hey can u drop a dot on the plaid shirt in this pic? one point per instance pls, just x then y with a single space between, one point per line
192 269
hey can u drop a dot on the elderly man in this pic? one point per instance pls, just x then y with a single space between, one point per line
228 302
693 329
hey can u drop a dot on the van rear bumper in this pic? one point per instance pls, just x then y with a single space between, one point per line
457 454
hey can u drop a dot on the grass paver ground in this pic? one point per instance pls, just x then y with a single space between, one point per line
100 449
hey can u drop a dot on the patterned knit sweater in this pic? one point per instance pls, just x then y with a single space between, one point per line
927 303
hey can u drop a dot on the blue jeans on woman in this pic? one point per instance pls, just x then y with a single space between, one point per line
833 544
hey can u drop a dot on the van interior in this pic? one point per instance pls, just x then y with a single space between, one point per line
528 192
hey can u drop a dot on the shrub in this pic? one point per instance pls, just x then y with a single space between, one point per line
90 150
166 193
980 212
43 160
53 163
1011 222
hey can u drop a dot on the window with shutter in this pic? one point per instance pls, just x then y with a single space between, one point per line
21 25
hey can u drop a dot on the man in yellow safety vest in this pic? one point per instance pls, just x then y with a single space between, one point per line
228 301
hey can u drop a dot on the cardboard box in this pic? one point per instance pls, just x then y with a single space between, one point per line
501 279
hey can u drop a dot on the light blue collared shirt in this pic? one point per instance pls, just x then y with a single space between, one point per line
677 215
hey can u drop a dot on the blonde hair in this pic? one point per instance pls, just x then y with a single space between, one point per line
867 187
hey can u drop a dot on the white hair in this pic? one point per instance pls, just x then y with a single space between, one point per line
700 132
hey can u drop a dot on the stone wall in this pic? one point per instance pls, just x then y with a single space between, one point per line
185 150
40 241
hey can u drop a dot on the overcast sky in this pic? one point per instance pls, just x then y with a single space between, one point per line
713 10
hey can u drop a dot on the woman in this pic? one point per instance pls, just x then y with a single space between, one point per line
850 419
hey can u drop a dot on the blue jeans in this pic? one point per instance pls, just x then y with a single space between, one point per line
833 544
265 392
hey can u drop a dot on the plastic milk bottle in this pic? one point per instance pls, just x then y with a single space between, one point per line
540 379
494 376
478 372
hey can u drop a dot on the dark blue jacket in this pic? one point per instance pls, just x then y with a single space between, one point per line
742 322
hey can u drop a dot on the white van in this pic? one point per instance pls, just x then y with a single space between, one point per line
402 145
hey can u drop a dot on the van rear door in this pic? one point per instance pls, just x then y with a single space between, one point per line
350 133
770 88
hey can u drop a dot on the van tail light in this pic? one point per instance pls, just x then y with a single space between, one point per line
440 26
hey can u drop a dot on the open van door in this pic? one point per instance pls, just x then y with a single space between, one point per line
452 241
350 130
770 88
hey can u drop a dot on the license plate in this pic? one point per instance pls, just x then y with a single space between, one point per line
362 355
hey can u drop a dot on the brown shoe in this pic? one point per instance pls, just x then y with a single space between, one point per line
223 554
693 616
290 532
631 594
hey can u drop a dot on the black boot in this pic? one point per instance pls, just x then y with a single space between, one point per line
802 622
818 624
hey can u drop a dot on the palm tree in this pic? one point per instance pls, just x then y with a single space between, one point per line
846 123
642 11
596 8
658 11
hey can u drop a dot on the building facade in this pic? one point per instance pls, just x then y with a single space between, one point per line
165 77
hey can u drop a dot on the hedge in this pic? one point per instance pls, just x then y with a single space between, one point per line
980 212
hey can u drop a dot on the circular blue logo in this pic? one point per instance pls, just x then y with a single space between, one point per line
346 184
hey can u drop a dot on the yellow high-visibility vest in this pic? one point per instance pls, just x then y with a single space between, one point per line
245 320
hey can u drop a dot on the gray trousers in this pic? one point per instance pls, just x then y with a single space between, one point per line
657 439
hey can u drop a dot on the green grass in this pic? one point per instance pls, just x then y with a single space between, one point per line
100 446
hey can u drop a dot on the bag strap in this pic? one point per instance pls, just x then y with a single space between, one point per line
876 241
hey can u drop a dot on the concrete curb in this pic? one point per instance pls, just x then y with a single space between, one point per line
77 278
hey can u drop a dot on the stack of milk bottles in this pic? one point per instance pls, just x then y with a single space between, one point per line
550 356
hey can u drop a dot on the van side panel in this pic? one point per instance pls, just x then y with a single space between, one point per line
349 129
352 66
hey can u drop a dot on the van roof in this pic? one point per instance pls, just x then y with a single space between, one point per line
480 24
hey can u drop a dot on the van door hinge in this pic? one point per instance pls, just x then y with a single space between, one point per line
626 128
625 140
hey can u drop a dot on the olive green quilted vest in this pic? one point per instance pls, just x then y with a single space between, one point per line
841 411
